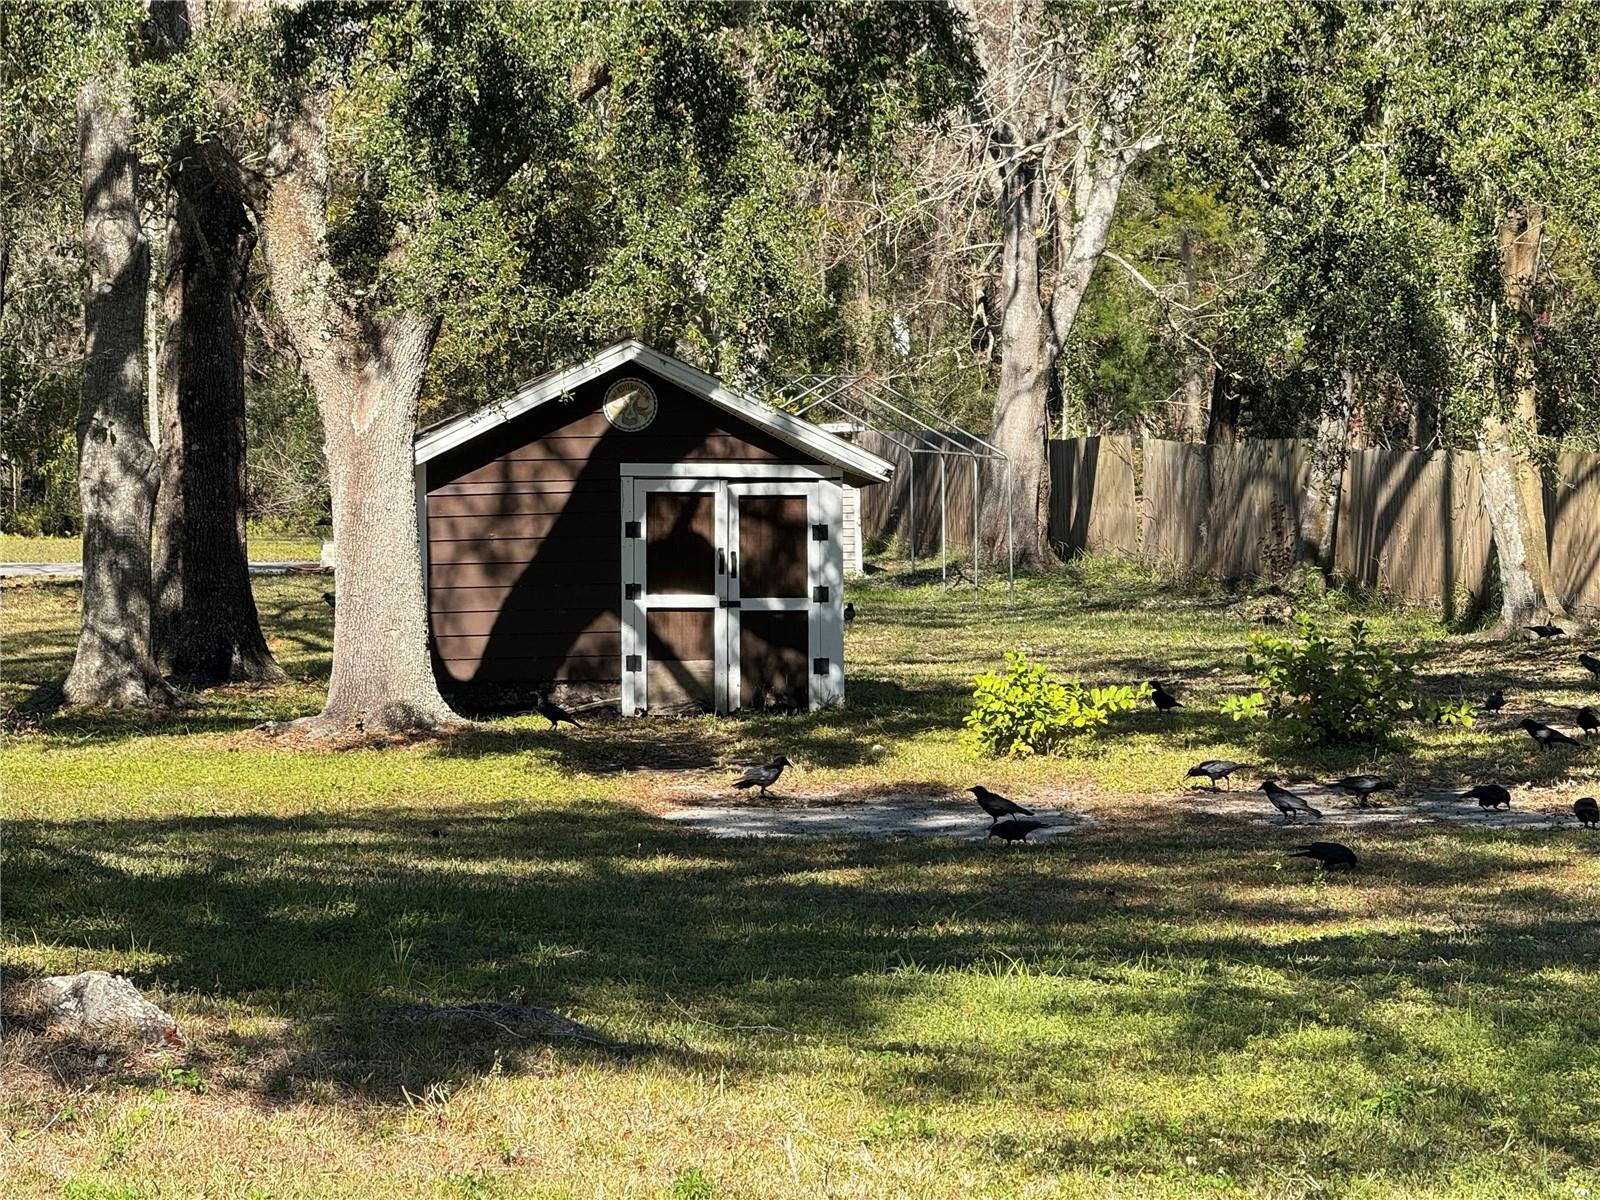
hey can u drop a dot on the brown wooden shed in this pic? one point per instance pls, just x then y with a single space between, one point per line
632 527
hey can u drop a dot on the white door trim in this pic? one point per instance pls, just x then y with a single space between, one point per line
728 470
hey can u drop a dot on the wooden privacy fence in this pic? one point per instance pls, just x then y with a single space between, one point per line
1410 524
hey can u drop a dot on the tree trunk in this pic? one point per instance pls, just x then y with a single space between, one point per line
113 664
1019 520
206 628
1222 426
1513 495
1191 421
1319 507
366 371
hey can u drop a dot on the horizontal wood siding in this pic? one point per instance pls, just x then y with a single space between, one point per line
524 526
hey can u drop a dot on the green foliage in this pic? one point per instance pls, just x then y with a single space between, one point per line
1025 711
1242 708
1331 692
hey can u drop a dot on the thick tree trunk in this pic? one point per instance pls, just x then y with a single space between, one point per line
1222 424
366 372
1020 519
1319 507
1513 495
206 628
1190 424
113 665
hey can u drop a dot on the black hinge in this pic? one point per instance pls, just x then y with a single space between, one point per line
819 666
819 595
632 591
730 604
634 662
819 533
632 529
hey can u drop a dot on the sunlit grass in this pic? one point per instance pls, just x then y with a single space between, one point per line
1163 1005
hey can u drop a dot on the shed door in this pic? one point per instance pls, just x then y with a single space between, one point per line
772 566
679 565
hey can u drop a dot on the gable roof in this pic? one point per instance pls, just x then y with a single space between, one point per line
859 466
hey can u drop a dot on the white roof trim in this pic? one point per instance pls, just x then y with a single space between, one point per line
861 465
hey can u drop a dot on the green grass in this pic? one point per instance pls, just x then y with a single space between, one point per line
1162 1005
264 547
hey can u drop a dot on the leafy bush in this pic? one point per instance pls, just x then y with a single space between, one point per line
1330 692
1025 711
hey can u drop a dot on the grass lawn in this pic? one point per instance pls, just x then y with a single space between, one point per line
264 547
1160 1005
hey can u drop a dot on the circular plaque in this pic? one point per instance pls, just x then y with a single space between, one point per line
630 405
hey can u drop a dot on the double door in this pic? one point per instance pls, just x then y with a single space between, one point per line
730 594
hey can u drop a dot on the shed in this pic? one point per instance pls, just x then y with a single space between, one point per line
633 527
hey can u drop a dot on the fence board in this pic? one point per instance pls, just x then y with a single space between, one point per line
1572 507
1226 511
1092 501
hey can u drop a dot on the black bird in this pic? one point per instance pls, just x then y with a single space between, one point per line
1588 720
1587 811
1495 701
554 713
1014 829
1164 700
1488 795
1545 631
1285 801
1363 787
1212 769
328 598
997 806
1545 735
1589 663
1328 854
763 775
849 614
324 522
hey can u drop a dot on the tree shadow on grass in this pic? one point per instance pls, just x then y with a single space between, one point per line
649 934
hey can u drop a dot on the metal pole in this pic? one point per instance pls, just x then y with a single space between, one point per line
944 555
975 555
1011 551
911 504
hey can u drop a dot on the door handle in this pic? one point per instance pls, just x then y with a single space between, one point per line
722 561
733 570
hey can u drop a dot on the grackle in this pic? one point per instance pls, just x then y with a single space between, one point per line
1363 787
1212 769
1587 810
1014 829
763 775
1589 663
1164 700
1488 795
554 713
1545 631
1285 801
1495 701
1588 720
328 599
1545 735
995 805
1328 854
849 614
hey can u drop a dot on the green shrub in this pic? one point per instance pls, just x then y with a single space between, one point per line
1025 711
1330 692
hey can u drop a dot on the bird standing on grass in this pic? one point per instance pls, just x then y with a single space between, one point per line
1545 631
1488 795
1015 829
1329 855
1164 700
1587 810
1212 769
996 805
1364 787
1545 735
1588 720
554 713
328 599
1590 664
1494 701
762 775
849 614
1287 802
